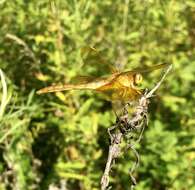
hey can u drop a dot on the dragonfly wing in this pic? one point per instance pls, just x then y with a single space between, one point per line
87 84
148 69
82 79
126 94
132 94
122 94
94 57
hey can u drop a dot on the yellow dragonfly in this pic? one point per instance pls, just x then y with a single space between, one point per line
122 86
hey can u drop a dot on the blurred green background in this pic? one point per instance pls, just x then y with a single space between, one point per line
60 141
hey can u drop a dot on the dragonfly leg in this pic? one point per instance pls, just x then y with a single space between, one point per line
125 109
146 90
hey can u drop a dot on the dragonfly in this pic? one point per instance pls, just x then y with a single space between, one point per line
119 86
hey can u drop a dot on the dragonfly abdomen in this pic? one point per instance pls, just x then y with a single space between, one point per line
54 88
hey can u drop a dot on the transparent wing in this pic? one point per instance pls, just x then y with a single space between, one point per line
126 94
123 94
82 79
92 57
148 69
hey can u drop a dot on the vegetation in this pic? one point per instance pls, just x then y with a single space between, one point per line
60 140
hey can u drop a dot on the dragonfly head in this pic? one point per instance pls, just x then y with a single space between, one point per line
138 79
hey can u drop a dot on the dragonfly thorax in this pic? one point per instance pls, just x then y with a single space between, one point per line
125 80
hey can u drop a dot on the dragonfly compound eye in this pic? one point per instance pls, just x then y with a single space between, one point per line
138 79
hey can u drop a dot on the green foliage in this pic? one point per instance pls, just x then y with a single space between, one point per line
61 139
